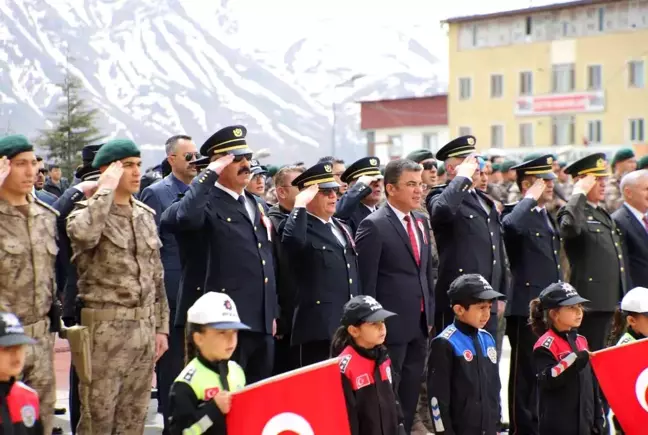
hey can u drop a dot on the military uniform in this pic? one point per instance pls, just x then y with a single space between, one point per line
533 245
594 247
28 252
350 208
121 287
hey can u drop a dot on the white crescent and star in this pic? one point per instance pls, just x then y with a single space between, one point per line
288 421
640 389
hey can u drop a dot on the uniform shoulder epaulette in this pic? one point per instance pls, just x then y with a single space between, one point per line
344 362
626 339
46 206
547 342
448 332
144 206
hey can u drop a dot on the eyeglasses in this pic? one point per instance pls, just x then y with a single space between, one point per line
43 171
329 190
190 156
429 165
240 157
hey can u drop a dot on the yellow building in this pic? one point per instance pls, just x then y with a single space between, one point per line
564 74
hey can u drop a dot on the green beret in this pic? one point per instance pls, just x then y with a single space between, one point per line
507 165
643 162
496 167
272 170
440 169
622 155
420 155
114 150
13 145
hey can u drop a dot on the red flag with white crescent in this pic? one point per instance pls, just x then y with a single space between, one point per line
622 372
307 401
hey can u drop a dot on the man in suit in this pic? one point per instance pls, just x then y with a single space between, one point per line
594 248
180 151
459 212
397 269
286 357
322 253
533 246
632 220
364 193
240 252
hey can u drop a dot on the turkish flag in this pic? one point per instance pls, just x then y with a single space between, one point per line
622 372
307 401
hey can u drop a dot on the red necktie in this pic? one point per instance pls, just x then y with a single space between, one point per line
645 221
412 237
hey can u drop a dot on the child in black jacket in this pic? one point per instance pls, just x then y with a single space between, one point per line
372 404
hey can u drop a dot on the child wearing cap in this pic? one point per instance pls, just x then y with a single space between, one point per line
463 378
372 404
199 397
568 397
19 406
631 318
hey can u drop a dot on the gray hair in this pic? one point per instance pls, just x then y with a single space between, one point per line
170 144
394 170
632 178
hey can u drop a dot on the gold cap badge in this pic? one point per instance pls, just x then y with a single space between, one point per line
600 163
373 162
471 141
328 168
237 132
549 160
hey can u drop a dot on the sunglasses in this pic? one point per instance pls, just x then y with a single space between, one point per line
190 156
329 190
43 171
429 166
240 157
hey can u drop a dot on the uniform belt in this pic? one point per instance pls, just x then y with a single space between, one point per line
38 329
90 315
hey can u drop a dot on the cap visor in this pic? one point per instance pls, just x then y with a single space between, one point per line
574 300
16 340
601 174
239 152
328 185
227 325
547 176
488 295
379 316
259 172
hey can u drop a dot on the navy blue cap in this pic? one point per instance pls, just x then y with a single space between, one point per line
320 174
362 309
365 166
12 332
229 140
460 147
560 294
540 167
471 286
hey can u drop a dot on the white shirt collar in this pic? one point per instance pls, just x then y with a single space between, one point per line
228 191
320 219
371 209
640 216
399 214
592 204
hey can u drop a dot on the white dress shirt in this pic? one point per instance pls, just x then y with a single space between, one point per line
636 213
251 211
401 218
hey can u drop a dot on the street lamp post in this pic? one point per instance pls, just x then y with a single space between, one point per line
346 83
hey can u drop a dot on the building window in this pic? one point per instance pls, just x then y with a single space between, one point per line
526 134
431 141
636 74
563 78
562 130
371 138
395 145
465 88
594 78
497 136
526 83
474 35
594 131
637 131
529 28
464 131
601 19
497 85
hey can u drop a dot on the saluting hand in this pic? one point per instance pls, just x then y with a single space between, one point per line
223 400
88 187
306 196
584 185
468 167
5 169
367 179
537 189
221 163
110 178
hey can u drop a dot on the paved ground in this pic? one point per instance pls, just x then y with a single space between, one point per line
154 421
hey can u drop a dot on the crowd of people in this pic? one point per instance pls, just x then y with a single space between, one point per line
220 272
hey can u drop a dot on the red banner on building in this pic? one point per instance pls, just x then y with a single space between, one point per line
622 372
307 401
553 104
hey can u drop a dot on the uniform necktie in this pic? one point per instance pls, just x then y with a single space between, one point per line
241 199
546 218
645 222
337 234
412 237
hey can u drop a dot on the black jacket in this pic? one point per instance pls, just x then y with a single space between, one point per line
372 403
19 409
635 240
569 402
463 381
350 209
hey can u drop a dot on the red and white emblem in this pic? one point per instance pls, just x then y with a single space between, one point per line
288 422
468 355
210 393
422 228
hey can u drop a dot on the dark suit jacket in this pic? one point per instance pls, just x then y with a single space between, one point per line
534 253
54 189
594 248
193 253
159 197
469 240
350 208
240 259
326 274
389 273
635 239
45 196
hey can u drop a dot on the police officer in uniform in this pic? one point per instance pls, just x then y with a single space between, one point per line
240 253
533 246
593 247
322 252
364 194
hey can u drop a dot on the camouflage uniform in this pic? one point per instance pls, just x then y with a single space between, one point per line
514 194
613 196
27 287
116 251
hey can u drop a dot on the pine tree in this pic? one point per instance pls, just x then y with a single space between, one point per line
74 127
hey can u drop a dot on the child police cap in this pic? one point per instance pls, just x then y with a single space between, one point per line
635 301
12 332
216 310
560 294
362 309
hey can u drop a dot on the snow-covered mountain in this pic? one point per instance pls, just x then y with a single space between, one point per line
161 67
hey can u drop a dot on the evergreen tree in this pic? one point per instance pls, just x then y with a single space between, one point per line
74 127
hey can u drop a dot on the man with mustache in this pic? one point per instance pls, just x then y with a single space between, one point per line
239 236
